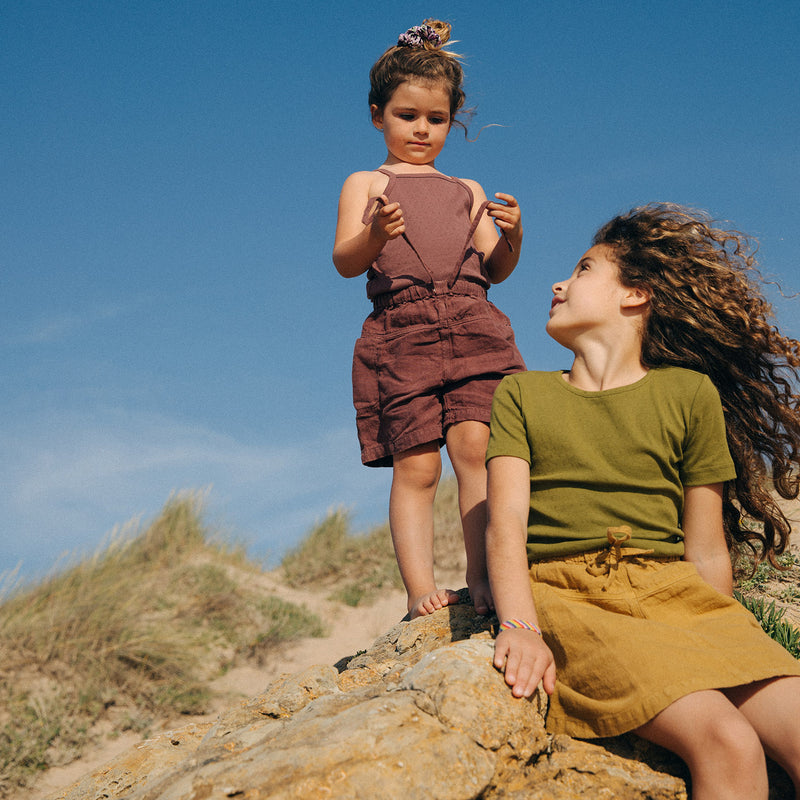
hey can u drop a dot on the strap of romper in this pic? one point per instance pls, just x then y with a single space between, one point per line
472 228
370 213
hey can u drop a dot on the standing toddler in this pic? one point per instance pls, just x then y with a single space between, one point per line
433 350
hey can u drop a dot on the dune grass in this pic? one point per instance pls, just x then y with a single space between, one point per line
143 625
357 566
133 634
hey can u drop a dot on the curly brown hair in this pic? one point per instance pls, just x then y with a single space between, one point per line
707 313
428 63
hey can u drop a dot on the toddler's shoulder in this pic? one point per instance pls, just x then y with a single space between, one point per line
474 187
369 183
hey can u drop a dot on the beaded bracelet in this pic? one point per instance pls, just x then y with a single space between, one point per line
519 623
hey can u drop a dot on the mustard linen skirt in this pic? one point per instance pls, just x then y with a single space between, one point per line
631 634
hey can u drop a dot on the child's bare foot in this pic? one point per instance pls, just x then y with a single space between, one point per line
481 595
433 601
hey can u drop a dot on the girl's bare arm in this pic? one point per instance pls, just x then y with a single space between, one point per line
704 536
521 654
501 252
357 245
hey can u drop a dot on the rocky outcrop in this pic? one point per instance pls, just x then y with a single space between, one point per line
421 714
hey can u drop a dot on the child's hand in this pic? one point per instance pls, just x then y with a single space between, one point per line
525 659
388 221
506 215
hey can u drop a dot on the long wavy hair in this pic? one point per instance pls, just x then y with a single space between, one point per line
426 62
707 313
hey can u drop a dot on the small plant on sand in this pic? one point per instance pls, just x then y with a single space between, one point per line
760 589
756 580
771 618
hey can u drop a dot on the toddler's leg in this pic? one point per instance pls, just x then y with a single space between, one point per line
773 708
466 446
414 480
718 744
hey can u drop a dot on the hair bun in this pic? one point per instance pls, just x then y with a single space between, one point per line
431 35
442 29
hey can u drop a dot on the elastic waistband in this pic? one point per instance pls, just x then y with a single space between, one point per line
423 292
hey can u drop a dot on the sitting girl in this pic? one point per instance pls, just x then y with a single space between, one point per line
617 489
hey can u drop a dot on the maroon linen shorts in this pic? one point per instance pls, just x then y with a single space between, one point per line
425 363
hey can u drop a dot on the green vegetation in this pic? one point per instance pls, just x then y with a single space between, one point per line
772 621
133 634
761 591
788 572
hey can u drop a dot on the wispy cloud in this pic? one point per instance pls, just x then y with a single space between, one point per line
71 477
60 326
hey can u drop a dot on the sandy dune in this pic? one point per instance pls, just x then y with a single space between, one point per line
350 630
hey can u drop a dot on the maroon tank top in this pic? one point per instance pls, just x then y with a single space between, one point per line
437 247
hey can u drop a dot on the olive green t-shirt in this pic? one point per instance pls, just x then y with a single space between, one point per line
608 458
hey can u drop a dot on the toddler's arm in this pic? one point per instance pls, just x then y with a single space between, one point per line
704 536
357 245
501 253
520 653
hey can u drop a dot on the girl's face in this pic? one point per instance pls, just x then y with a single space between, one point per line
591 298
415 123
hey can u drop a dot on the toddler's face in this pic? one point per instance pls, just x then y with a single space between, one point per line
415 122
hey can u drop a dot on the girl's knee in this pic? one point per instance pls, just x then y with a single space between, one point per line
417 469
715 739
466 444
726 759
733 742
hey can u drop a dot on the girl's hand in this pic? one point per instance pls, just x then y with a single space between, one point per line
525 659
388 221
506 215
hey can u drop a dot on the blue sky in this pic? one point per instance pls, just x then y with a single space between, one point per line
169 315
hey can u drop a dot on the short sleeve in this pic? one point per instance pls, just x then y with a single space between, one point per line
508 435
706 458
